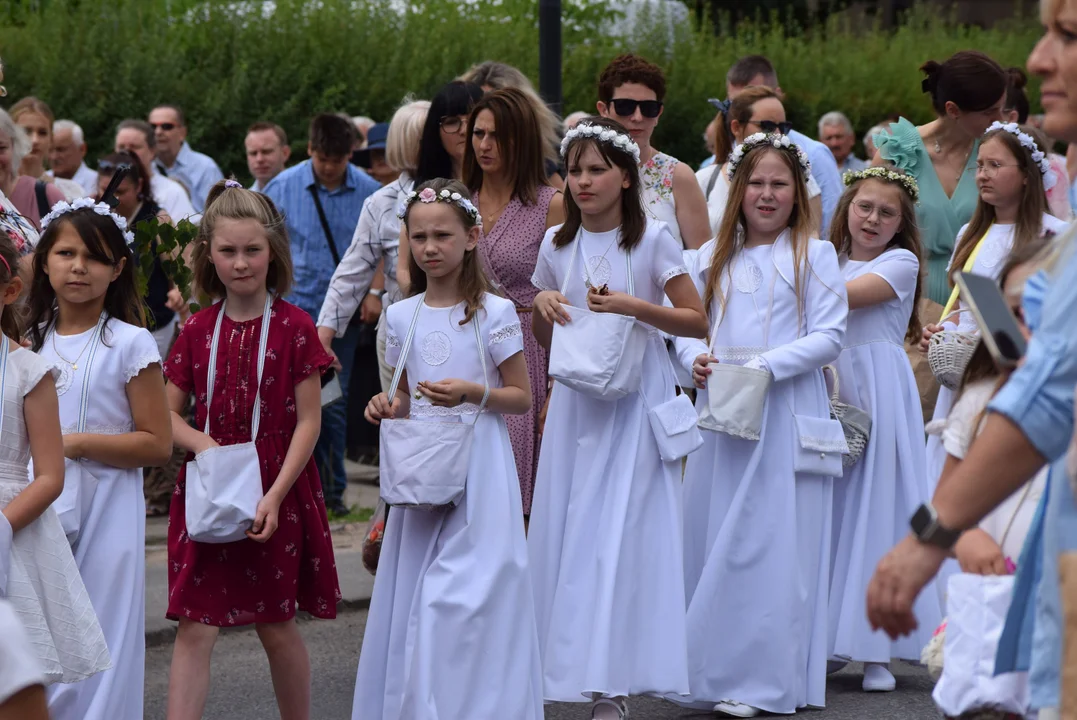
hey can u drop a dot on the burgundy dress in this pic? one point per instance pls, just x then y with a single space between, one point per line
247 582
509 254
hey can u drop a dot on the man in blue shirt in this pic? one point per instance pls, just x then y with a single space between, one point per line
321 199
175 158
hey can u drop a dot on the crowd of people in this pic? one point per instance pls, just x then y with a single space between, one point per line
644 429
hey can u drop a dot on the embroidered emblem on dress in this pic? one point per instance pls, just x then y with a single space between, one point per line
748 278
435 348
600 269
67 377
992 255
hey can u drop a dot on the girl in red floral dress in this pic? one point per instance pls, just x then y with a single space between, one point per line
286 564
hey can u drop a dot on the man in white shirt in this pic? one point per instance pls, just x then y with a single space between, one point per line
175 158
67 156
836 132
267 152
136 136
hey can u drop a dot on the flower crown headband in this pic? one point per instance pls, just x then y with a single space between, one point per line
428 195
606 135
775 140
1038 156
63 207
908 182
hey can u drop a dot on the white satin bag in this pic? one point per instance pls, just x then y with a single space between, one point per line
674 422
820 444
224 484
424 464
597 354
736 398
80 485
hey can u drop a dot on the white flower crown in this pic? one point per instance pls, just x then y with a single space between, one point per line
1038 156
603 134
63 207
882 173
775 140
428 195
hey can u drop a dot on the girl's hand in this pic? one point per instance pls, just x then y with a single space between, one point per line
700 371
925 339
379 408
205 442
450 393
265 519
73 446
612 302
549 305
979 554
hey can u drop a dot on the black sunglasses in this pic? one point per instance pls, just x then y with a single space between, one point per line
627 108
769 126
167 127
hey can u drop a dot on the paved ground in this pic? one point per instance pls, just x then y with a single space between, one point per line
241 688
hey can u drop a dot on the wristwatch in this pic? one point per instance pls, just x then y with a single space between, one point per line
925 526
376 292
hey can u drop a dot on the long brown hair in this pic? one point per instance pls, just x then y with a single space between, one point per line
1030 212
473 282
519 143
633 218
740 109
9 318
907 237
731 233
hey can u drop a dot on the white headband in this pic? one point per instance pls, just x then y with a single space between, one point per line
1038 156
603 134
63 207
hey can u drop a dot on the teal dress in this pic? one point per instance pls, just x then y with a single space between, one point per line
940 217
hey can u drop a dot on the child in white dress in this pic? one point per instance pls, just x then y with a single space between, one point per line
604 538
43 584
878 244
86 318
451 633
757 532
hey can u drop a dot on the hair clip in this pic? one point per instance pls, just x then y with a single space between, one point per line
230 183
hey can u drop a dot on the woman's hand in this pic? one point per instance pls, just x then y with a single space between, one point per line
925 338
379 408
700 371
450 393
979 554
549 304
265 518
612 302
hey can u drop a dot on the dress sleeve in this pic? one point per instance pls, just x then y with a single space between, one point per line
34 371
393 339
505 337
900 147
353 276
667 259
963 420
688 349
139 353
309 356
545 275
900 269
178 368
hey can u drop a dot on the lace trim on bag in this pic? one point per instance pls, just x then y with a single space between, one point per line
426 410
738 353
509 331
815 444
141 363
672 273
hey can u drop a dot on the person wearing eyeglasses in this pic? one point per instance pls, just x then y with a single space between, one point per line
175 158
630 91
756 110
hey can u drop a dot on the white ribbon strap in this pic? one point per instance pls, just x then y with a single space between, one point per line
84 400
3 377
212 371
399 371
572 265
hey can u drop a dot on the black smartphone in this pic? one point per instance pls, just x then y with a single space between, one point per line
331 390
999 328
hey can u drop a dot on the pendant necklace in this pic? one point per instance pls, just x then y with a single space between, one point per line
938 151
600 266
74 364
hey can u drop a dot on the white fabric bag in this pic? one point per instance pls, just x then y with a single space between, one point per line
820 446
424 464
224 484
73 505
597 354
674 422
736 397
976 609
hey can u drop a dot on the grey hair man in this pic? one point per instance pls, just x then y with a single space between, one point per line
836 132
67 156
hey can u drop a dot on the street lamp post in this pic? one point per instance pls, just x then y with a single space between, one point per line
549 12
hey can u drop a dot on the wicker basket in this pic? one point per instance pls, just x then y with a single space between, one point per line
948 355
856 423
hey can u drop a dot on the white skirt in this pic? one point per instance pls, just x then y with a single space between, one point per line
451 632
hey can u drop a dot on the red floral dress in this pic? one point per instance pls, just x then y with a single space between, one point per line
247 582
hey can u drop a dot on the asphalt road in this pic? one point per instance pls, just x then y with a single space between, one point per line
242 690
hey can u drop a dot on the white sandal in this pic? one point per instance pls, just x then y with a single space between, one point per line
732 708
620 705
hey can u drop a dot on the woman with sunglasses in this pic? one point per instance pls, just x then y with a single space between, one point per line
756 109
630 91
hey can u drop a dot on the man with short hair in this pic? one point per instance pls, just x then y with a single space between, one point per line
175 158
758 70
267 152
137 138
67 156
836 132
321 199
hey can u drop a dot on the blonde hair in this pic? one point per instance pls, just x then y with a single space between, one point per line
237 203
405 135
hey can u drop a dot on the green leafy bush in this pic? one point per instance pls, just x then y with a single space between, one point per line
229 64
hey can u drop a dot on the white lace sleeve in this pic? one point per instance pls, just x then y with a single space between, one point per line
505 336
540 284
140 353
671 273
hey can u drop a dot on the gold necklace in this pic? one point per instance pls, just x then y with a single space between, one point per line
938 151
74 365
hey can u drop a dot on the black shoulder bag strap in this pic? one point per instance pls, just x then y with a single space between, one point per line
714 180
43 208
325 223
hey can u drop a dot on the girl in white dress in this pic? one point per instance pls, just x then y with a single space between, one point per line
42 581
451 633
604 538
878 244
757 532
86 318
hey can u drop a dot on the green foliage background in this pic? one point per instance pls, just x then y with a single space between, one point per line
227 65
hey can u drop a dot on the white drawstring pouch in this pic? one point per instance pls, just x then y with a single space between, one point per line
736 398
597 354
80 485
424 464
674 422
224 484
